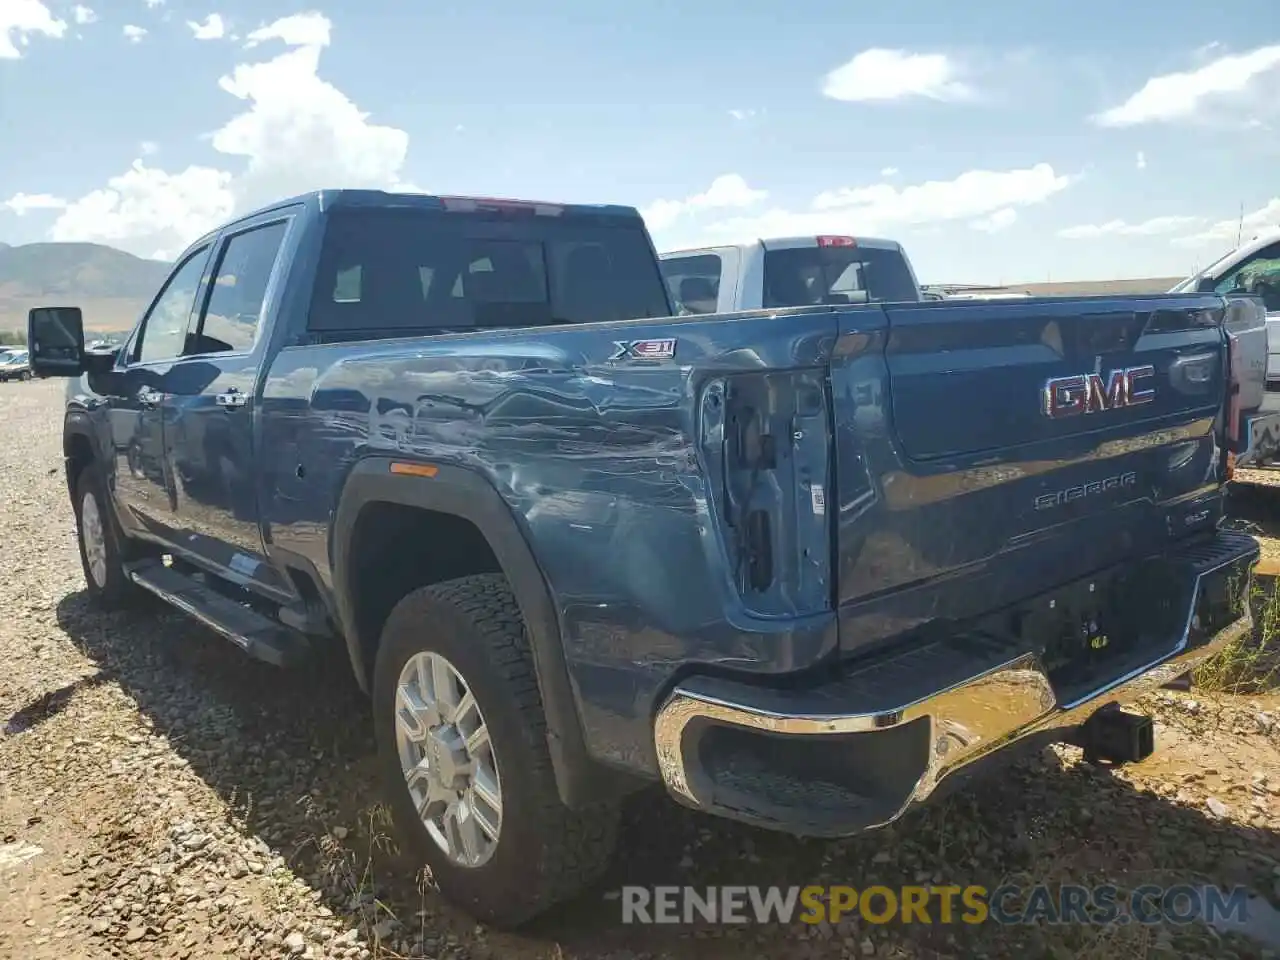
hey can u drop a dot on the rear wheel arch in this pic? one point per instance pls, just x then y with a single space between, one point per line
466 505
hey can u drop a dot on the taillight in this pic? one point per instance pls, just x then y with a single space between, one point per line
837 242
765 440
498 205
1233 405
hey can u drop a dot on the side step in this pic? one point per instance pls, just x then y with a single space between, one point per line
258 636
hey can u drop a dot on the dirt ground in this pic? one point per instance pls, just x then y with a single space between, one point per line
161 796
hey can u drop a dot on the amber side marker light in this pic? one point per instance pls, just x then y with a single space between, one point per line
414 469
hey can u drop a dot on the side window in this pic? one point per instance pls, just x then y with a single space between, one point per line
346 285
231 319
164 329
693 282
1260 275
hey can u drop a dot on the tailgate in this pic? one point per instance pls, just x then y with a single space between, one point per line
995 450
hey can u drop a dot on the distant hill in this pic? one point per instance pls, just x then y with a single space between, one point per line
1090 288
111 286
89 270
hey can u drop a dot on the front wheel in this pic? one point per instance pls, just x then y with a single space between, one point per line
101 552
462 746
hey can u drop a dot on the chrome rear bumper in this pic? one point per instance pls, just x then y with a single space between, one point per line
956 724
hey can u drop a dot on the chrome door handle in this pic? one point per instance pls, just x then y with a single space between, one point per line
232 399
148 397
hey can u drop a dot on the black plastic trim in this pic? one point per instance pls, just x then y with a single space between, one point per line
465 494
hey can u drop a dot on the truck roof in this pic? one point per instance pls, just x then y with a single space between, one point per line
329 199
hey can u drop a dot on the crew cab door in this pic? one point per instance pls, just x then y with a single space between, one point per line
143 492
209 435
703 281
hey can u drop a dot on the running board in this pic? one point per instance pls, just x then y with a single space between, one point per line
260 637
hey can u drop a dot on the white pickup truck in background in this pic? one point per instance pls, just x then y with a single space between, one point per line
789 272
1253 269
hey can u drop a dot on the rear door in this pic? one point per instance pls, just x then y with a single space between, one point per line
209 409
993 450
703 281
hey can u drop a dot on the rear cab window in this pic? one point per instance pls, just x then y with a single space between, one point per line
398 270
693 282
812 275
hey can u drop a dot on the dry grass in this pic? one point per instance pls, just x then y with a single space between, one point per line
1251 664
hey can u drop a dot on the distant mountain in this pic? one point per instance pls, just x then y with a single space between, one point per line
79 271
111 286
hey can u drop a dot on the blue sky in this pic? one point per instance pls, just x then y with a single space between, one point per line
1000 142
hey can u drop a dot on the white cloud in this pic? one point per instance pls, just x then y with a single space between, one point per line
213 28
1140 161
152 4
134 33
23 203
976 196
148 147
295 132
889 172
300 132
149 209
83 15
742 114
879 74
1179 96
1156 226
727 190
1002 219
1224 232
20 19
299 30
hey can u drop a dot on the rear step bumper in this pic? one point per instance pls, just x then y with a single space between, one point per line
856 753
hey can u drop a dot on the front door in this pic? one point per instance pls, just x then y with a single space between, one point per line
209 436
143 491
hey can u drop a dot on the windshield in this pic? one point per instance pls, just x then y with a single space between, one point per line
398 270
806 276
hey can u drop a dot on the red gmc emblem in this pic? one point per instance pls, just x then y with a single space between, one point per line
1093 393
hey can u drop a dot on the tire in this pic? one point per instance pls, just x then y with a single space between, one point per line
544 853
107 582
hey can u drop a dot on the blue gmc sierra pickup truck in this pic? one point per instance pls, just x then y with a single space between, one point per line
799 565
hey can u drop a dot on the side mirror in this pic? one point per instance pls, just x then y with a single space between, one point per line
55 341
1206 285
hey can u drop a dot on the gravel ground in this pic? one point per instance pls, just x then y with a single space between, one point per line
163 797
